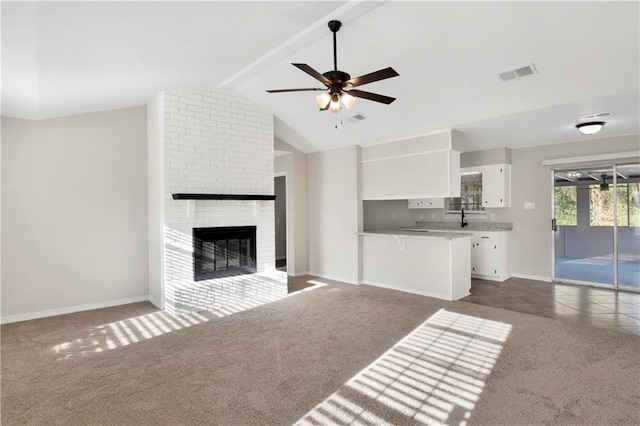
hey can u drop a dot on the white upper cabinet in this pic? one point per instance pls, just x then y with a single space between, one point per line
426 203
496 185
423 167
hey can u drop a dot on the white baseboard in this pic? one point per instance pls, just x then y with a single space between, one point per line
329 277
72 309
300 273
412 291
532 277
157 303
490 277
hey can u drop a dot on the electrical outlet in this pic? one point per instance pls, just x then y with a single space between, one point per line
529 205
393 215
421 216
492 216
433 215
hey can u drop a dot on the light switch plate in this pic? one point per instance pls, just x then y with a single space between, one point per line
529 205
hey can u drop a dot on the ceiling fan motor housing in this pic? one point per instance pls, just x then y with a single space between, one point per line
337 78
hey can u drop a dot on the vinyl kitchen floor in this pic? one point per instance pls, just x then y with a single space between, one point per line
598 307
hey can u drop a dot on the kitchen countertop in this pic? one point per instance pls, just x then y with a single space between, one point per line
471 226
434 235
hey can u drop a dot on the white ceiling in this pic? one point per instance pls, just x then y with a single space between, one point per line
69 58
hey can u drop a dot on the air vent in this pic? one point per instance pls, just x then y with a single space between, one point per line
356 118
595 116
516 73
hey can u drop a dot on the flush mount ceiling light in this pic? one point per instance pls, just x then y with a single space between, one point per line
590 127
336 82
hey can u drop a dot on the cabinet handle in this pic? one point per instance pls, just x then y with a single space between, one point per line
495 247
485 237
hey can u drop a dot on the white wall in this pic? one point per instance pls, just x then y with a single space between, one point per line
294 165
334 214
74 213
155 184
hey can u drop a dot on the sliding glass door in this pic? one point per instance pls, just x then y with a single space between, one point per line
628 229
597 229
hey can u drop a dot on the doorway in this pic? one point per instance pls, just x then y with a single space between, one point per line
597 226
280 188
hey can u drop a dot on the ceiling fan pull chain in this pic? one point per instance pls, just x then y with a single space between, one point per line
336 117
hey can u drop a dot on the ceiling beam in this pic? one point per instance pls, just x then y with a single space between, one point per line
590 175
565 178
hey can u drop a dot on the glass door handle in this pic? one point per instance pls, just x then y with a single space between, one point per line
554 227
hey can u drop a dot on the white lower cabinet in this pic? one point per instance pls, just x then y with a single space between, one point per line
490 256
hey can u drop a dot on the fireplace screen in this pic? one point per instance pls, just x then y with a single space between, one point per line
223 251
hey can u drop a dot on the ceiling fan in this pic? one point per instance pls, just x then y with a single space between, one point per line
339 85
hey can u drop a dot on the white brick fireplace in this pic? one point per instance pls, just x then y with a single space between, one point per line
207 141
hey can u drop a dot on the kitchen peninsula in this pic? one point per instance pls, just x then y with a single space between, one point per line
435 264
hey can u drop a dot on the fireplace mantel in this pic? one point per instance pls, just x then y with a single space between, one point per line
183 196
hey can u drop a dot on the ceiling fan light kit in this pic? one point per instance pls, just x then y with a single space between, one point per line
590 127
337 82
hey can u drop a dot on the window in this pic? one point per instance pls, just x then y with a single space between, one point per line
566 198
470 195
601 205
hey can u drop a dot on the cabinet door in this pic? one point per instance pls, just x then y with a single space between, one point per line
495 185
483 256
415 204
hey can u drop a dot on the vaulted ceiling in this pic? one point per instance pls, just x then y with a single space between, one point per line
63 58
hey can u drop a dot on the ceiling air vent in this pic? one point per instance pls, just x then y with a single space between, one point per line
518 73
356 118
595 116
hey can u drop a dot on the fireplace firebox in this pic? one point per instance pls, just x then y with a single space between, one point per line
223 251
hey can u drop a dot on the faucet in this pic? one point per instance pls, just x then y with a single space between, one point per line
463 222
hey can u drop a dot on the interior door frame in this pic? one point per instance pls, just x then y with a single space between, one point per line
288 224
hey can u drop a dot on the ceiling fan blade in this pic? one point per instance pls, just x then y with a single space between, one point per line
314 89
371 96
371 77
313 73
